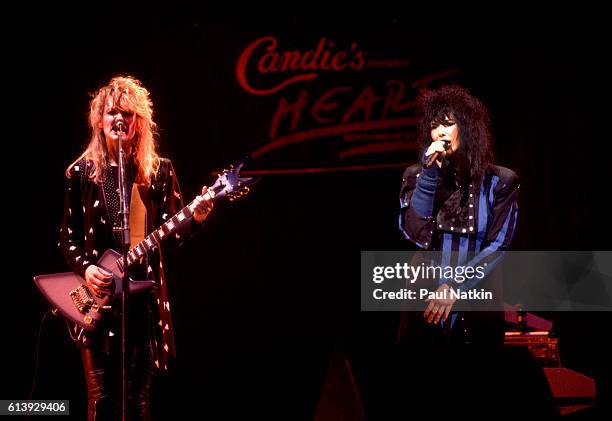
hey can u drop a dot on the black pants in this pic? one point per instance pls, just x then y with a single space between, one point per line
101 356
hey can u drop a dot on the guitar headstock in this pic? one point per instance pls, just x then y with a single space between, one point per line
230 184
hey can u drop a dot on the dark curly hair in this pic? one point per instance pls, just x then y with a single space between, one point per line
475 151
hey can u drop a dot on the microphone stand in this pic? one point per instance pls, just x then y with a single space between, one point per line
125 283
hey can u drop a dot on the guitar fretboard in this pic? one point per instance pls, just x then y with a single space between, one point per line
154 239
227 183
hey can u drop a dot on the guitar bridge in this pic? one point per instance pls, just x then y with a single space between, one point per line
82 298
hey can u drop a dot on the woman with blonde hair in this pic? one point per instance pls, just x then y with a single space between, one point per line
124 107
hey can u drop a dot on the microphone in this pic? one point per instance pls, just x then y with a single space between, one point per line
432 158
119 126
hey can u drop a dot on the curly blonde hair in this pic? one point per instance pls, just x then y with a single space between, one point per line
127 94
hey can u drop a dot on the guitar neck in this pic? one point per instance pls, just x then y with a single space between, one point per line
167 229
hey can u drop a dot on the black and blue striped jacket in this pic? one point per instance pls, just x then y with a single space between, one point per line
474 224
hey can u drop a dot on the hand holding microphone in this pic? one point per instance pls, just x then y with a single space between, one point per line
435 150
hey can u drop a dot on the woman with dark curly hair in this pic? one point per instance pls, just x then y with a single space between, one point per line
457 203
460 204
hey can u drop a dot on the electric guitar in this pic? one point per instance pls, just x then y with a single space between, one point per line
69 292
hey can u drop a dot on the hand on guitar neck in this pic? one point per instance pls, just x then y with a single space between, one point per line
203 204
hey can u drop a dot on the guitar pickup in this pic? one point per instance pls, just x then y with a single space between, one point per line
82 298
